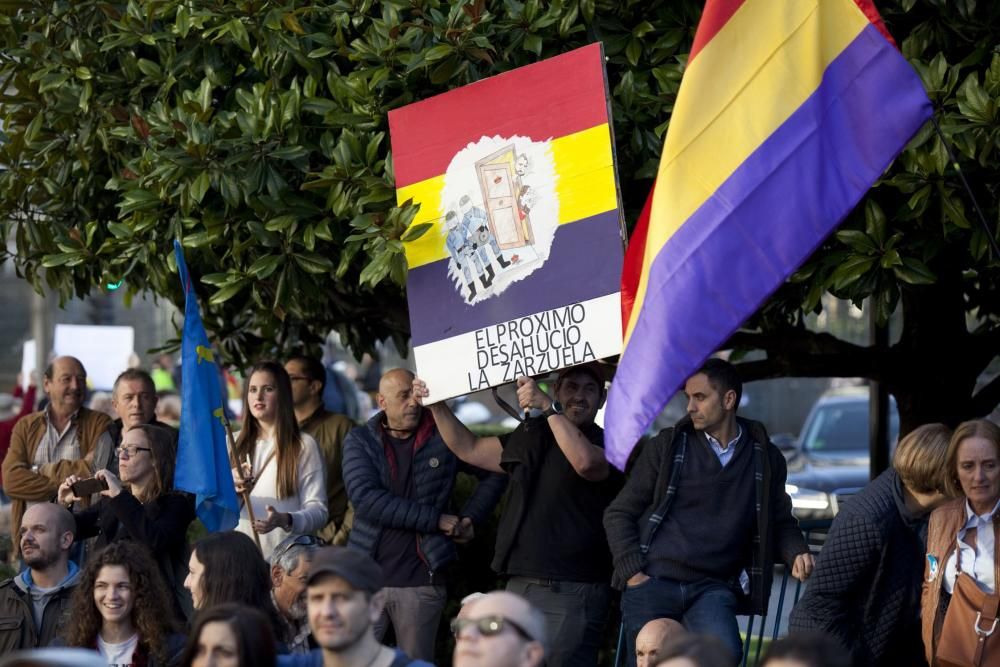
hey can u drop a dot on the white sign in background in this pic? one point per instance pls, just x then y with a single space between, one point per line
104 351
28 364
533 345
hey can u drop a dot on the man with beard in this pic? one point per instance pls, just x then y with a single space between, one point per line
63 439
290 562
400 476
34 605
344 599
134 399
550 542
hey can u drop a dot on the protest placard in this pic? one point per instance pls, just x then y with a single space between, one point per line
518 272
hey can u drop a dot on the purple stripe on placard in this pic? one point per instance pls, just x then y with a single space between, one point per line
585 262
761 224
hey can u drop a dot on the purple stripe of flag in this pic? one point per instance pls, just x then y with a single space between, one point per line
568 276
761 224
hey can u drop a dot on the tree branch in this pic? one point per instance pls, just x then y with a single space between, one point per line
796 352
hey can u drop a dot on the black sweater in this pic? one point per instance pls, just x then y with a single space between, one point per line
865 591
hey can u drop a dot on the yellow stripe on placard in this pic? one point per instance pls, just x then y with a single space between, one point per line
757 70
585 186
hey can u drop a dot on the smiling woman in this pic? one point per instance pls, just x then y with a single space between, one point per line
142 506
118 608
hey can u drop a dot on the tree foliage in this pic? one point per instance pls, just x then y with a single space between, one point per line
256 133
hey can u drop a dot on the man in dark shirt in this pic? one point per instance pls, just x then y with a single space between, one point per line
400 476
329 430
134 399
703 516
550 541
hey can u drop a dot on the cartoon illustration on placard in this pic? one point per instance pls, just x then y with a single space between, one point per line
501 214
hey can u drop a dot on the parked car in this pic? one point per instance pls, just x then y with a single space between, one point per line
830 460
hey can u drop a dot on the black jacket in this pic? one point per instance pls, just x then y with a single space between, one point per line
160 524
865 590
628 523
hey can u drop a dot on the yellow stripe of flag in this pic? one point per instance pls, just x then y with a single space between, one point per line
764 63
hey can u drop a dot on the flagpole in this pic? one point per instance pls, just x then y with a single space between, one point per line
239 471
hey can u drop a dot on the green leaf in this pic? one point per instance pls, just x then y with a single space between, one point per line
205 94
83 73
266 265
438 52
52 81
914 272
228 292
533 43
851 271
414 232
857 240
313 262
216 278
200 186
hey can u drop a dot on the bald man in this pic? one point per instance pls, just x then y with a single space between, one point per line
34 605
652 636
399 476
499 629
48 446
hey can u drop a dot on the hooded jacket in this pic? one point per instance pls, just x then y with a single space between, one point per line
17 618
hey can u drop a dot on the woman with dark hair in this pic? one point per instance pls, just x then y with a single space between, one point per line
118 605
141 505
281 466
227 567
230 635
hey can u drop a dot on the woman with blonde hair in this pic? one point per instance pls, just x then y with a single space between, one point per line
961 557
280 466
865 590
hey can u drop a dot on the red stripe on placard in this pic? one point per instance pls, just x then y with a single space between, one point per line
552 98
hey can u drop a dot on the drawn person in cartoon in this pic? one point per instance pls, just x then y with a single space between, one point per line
477 229
521 165
462 252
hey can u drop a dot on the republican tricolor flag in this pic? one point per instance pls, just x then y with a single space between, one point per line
788 112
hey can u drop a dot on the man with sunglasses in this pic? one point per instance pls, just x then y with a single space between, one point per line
498 629
290 563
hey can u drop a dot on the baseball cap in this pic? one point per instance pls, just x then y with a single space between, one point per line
356 567
600 371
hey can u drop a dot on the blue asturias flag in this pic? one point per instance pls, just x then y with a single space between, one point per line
202 460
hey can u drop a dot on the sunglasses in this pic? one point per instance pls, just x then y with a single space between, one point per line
488 626
298 540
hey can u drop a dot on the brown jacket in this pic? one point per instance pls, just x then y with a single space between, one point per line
942 534
23 485
329 429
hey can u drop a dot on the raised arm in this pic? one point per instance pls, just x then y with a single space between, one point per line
480 452
587 459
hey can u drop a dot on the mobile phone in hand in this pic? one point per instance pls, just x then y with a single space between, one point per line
87 487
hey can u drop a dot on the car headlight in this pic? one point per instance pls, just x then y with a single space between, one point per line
807 499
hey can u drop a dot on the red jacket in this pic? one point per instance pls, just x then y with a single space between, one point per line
7 425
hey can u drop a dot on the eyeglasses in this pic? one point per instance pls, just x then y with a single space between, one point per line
299 540
488 626
129 452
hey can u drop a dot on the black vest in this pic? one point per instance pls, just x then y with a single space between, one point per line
708 532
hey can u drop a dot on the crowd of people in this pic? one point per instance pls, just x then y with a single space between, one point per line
349 530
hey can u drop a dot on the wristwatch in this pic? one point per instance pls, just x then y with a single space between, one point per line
555 409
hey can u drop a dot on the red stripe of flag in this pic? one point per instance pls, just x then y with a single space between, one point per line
632 267
715 15
867 8
553 98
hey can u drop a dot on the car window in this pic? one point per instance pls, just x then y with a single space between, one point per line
842 427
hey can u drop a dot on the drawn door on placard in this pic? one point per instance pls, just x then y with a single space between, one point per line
499 184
